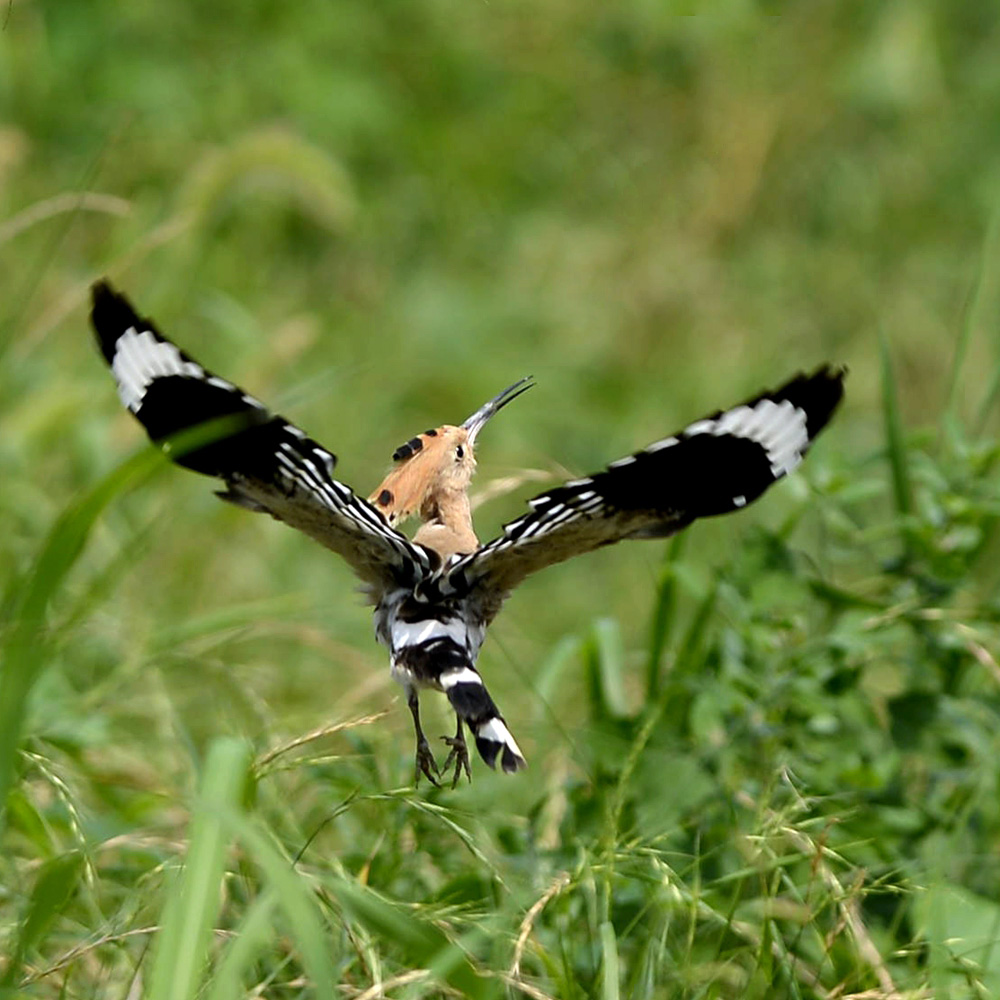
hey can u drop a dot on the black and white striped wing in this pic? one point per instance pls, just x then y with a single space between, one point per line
209 425
713 466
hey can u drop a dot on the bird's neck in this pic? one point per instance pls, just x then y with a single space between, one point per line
447 524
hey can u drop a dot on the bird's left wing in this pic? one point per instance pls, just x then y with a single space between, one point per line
209 425
713 466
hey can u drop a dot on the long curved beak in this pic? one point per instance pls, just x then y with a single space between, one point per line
477 421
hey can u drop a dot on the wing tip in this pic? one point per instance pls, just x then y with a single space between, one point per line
828 382
111 314
833 374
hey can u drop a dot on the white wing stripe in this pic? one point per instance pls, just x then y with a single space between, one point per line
779 428
339 499
140 359
533 529
666 442
567 515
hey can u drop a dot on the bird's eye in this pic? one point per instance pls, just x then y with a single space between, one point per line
459 452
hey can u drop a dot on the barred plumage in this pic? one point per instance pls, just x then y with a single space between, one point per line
436 595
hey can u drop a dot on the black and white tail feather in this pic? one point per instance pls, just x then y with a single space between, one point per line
436 645
433 617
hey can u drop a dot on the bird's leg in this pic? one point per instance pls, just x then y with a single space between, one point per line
459 754
425 763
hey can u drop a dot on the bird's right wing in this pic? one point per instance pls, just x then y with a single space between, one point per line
714 466
209 425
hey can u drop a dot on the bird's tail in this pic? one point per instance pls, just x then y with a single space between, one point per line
431 647
474 706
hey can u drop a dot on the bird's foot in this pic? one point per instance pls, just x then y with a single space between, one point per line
460 755
426 765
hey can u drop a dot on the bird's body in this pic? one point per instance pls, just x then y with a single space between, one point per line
435 596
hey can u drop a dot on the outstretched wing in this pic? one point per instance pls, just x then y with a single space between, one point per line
211 426
713 466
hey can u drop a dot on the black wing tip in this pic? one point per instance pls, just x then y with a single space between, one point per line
111 314
833 375
101 288
828 374
104 297
825 392
818 393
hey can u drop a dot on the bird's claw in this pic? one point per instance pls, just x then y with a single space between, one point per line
460 755
426 765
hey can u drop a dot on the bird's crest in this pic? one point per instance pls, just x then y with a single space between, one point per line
437 464
423 464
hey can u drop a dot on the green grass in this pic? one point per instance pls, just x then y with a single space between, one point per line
805 803
762 755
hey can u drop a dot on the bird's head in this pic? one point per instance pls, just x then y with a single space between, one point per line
438 463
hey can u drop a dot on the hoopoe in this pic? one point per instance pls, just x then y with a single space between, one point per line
436 595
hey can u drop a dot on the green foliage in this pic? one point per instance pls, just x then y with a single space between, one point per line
807 797
762 756
23 648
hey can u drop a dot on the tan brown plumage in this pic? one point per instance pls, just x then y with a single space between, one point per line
431 480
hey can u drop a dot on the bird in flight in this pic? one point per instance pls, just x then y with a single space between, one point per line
437 593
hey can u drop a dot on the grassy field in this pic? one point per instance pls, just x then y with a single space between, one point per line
762 756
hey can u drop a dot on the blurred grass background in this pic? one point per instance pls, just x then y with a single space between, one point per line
376 216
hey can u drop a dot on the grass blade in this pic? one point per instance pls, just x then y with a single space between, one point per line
251 935
609 964
895 444
184 944
690 654
989 402
971 318
605 656
54 887
422 942
295 899
24 649
664 613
